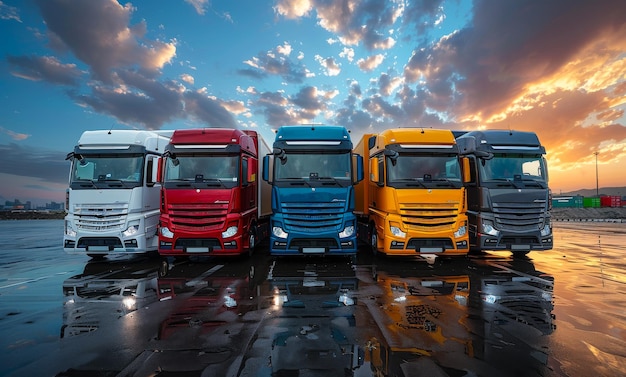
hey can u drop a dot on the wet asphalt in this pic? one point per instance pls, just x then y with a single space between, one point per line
552 313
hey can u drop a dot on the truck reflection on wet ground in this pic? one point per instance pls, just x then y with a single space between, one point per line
487 315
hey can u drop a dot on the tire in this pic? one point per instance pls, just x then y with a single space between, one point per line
373 236
251 242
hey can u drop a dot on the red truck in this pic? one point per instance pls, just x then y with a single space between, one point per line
213 201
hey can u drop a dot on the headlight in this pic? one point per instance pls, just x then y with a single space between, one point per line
165 232
347 231
231 231
133 229
489 229
460 232
69 231
279 232
397 232
546 231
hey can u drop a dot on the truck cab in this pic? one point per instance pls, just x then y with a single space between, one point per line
211 198
508 196
413 202
112 201
312 172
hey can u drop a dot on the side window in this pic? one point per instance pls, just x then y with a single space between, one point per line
244 172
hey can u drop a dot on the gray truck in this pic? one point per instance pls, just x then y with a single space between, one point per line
508 197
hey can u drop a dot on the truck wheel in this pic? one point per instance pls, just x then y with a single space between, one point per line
251 243
373 240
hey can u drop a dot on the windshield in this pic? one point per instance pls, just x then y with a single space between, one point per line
510 167
333 167
427 171
106 169
211 170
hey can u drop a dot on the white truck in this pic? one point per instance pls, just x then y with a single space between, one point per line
112 201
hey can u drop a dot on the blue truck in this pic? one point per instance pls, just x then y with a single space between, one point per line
312 171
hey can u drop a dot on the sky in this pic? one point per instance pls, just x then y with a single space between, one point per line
557 68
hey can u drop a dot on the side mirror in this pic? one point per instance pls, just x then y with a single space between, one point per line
467 176
268 161
357 172
159 170
374 174
393 155
280 153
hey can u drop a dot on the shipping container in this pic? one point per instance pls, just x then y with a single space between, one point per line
567 201
591 202
611 201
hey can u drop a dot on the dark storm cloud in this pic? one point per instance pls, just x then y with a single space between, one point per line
509 45
44 68
46 165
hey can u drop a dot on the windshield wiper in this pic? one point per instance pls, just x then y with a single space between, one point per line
332 180
533 181
446 180
295 180
509 182
410 181
86 183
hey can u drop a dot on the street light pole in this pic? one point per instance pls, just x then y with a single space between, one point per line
597 190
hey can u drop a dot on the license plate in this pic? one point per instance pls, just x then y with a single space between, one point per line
431 250
198 250
313 250
97 248
520 247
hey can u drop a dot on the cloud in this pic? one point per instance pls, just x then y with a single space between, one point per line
14 135
189 79
370 63
136 99
8 12
208 110
98 33
199 5
44 68
276 62
331 68
293 8
26 161
353 21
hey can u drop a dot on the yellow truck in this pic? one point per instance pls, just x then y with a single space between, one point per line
412 200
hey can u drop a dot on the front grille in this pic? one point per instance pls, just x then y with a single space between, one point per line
519 216
312 217
198 217
429 217
101 217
